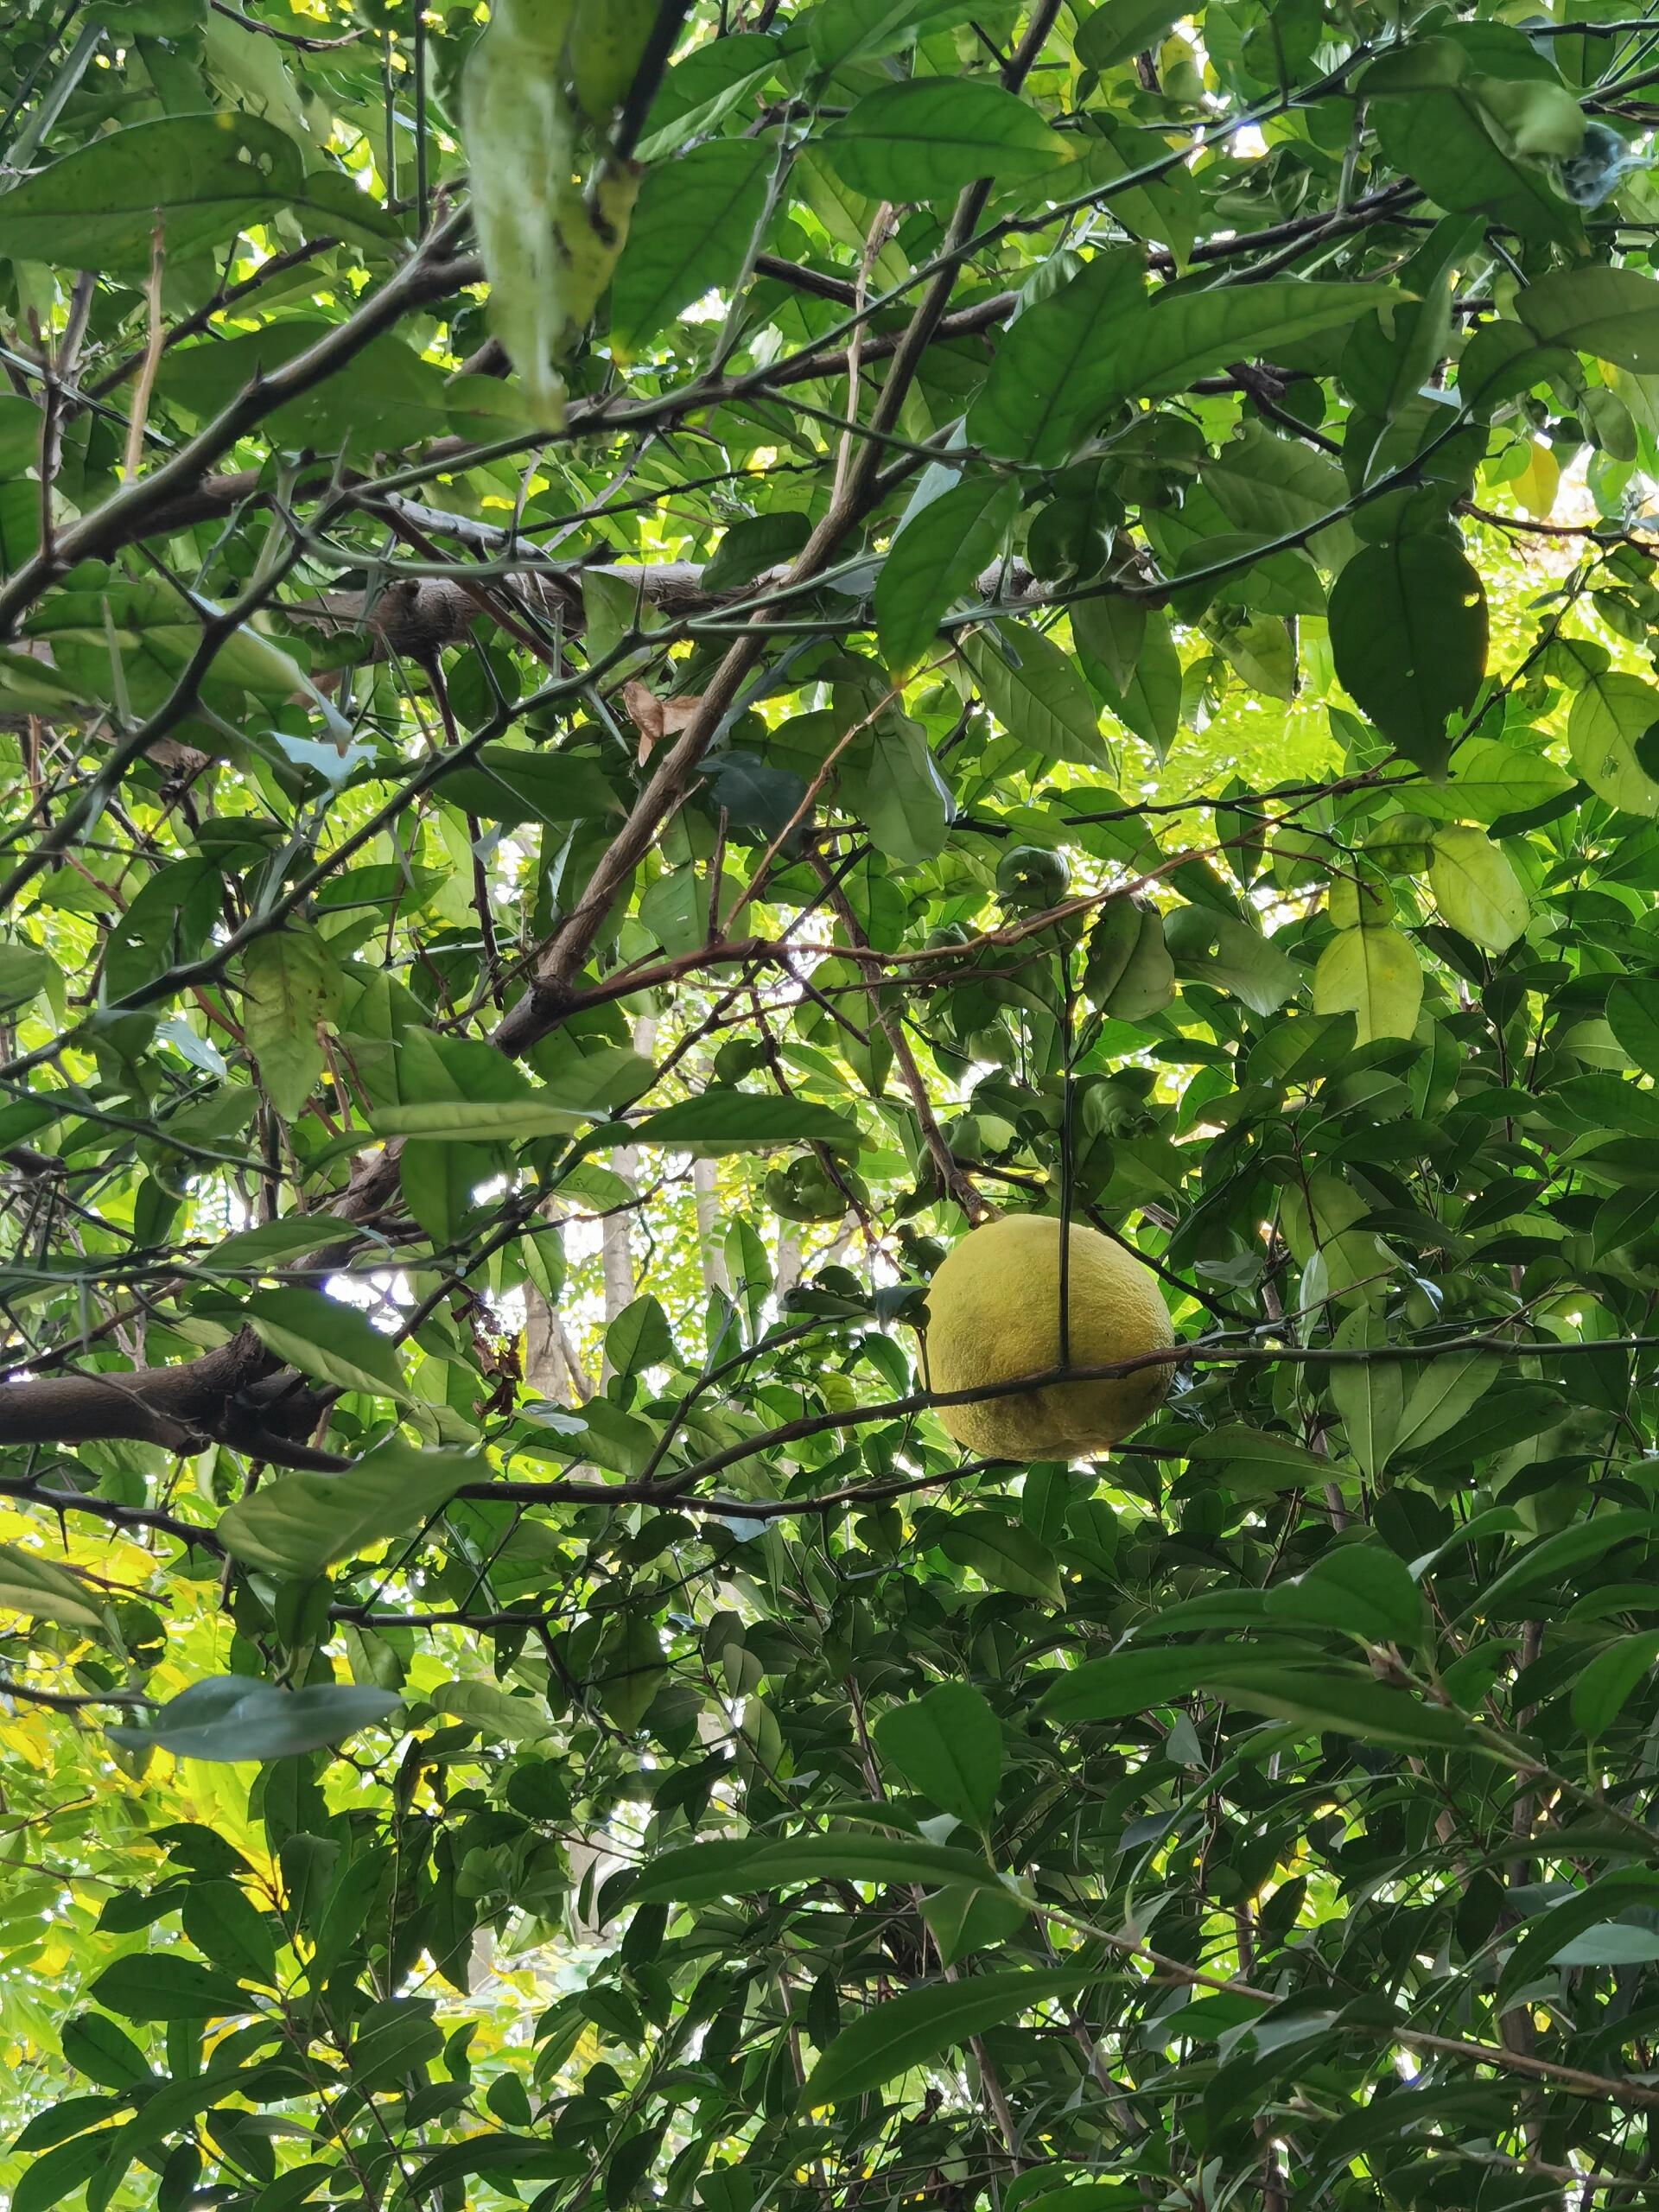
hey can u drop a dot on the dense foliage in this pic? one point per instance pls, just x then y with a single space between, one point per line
651 656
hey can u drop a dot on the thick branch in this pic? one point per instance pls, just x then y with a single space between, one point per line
235 1395
415 617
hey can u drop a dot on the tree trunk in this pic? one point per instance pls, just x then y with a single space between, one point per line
616 1247
552 1366
787 1272
711 1247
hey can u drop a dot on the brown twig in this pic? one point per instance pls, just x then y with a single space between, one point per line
152 354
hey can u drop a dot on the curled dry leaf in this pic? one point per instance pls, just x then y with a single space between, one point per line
654 718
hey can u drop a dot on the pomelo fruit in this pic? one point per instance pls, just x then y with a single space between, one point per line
993 1314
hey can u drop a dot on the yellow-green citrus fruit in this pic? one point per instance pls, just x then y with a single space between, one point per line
994 1313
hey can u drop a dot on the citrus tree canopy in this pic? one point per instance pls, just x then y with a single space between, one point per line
655 657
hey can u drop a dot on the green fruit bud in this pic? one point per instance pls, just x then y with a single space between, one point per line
1030 878
806 1190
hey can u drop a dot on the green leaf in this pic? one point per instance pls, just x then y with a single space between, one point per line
1034 692
701 1873
1007 1556
1255 1463
901 795
1212 947
166 924
1489 780
1600 1103
511 785
235 1717
704 86
934 560
1539 118
165 1985
1374 974
691 228
933 136
1615 1943
1099 341
1633 1017
288 992
962 1920
58 2177
947 1746
1428 108
394 399
481 1121
749 549
1364 1590
839 31
1551 1557
1272 486
501 1716
299 1524
298 2185
1146 698
630 1671
503 2158
1259 648
206 176
638 1337
1162 344
1137 1679
1548 1935
1610 313
764 801
23 971
545 260
104 2053
1605 1687
733 1120
20 433
1391 356
1110 633
1608 718
1129 974
902 2032
1409 636
1442 1394
325 1340
1342 1705
1369 1393
1118 28
1087 2196
1038 402
1476 889
230 1931
257 1251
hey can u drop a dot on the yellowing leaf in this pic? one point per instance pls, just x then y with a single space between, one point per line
1374 974
1536 485
1609 716
1476 889
34 1585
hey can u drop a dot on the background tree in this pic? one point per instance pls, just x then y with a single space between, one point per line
652 656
